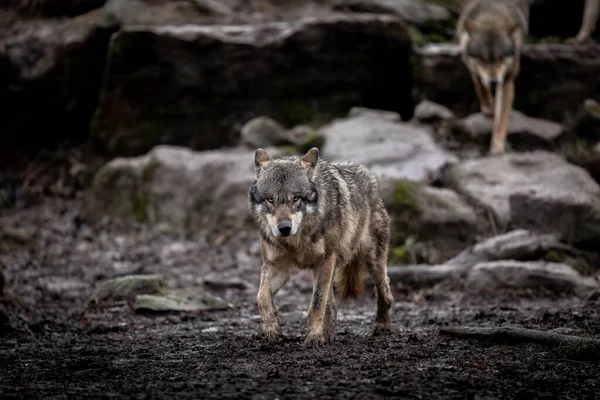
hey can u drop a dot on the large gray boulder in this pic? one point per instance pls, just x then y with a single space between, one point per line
390 148
195 85
536 190
176 187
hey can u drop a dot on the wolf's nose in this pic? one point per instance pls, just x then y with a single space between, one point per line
284 228
493 86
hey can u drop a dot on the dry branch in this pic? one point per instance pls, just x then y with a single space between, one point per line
577 346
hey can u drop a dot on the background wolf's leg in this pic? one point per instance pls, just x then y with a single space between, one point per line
322 279
272 279
504 103
486 101
588 24
378 270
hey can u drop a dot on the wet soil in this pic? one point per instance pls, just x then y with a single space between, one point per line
51 348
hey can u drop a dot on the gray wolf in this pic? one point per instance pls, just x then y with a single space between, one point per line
588 24
491 35
324 217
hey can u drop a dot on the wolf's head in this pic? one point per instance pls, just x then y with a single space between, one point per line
283 191
489 51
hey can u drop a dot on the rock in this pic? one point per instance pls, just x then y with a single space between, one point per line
510 274
391 149
54 8
554 79
428 111
415 12
433 215
19 235
183 300
126 288
536 190
117 13
263 132
304 138
222 283
194 85
587 123
51 75
2 280
523 131
517 245
184 190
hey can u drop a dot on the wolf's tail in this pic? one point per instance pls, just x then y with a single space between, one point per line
349 281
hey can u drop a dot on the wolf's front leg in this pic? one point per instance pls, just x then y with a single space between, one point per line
588 24
504 104
322 277
484 94
272 279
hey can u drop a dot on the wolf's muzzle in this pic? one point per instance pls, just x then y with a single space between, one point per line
493 86
285 228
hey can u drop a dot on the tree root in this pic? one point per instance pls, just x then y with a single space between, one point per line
572 346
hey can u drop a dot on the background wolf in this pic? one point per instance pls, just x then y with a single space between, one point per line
325 217
491 34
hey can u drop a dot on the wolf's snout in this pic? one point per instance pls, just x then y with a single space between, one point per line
285 228
493 85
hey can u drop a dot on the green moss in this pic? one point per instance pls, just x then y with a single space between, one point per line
148 171
554 256
405 195
416 36
297 112
141 207
312 140
398 255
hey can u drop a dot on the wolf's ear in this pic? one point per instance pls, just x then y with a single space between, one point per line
470 26
310 158
261 158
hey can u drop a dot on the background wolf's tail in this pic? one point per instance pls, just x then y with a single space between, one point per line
349 281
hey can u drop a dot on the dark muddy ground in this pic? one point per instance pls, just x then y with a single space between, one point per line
53 260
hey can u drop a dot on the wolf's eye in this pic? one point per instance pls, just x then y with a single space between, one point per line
270 199
296 198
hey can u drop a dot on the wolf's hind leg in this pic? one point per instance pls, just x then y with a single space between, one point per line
378 271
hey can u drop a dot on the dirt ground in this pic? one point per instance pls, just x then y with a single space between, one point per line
52 350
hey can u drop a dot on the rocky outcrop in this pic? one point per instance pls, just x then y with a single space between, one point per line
195 85
50 76
185 190
390 148
536 190
554 79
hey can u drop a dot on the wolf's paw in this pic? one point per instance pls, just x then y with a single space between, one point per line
314 340
577 40
487 111
381 329
272 334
